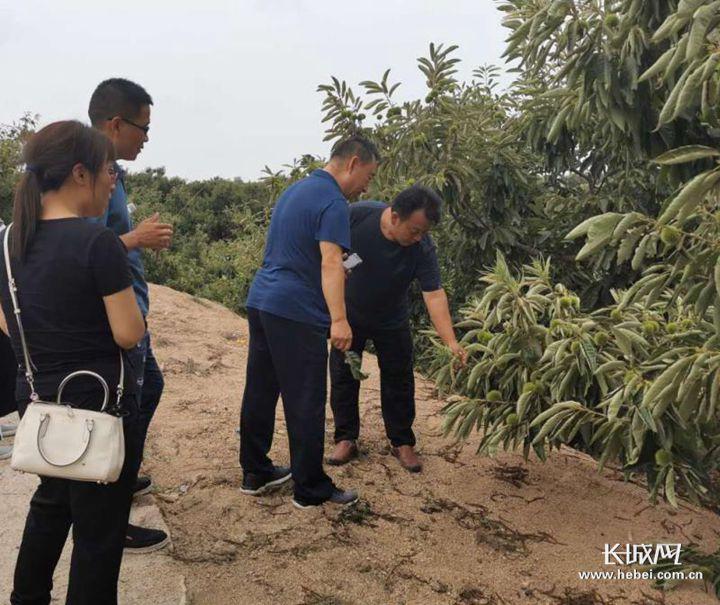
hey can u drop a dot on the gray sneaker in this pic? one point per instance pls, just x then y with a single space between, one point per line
7 430
5 452
346 497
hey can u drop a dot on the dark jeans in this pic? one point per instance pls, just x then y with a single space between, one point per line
289 358
397 385
150 384
98 515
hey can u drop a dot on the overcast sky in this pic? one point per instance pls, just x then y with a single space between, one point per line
234 83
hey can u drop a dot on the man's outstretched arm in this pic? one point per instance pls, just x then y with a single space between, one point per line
439 311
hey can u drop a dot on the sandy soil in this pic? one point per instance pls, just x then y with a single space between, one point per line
468 530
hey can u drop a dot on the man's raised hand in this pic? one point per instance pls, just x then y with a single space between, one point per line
152 234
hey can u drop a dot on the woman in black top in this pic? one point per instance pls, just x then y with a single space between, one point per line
78 307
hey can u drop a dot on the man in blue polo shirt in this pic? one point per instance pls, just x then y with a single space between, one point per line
298 294
121 110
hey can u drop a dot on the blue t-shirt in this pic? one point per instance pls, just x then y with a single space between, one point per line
289 283
117 218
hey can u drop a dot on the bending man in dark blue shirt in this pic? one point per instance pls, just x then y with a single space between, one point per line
295 297
121 110
395 248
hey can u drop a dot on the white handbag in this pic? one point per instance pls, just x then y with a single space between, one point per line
58 440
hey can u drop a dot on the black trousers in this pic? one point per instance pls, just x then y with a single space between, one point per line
150 383
8 376
289 358
98 515
397 385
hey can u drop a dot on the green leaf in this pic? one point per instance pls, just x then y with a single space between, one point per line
625 223
690 197
640 252
688 153
665 379
582 228
551 424
610 366
710 66
666 29
614 406
687 7
463 430
522 403
599 233
647 418
591 247
714 396
612 446
555 409
659 66
626 248
701 21
475 376
691 88
668 110
705 299
558 123
670 488
354 361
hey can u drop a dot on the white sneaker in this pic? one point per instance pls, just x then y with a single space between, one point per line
5 452
7 430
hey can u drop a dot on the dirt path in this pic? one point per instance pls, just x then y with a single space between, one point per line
151 578
468 530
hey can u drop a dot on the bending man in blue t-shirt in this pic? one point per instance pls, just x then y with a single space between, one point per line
395 248
121 110
298 294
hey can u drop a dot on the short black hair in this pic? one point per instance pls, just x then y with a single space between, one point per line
357 145
117 97
418 197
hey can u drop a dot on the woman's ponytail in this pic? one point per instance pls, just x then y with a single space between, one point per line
27 208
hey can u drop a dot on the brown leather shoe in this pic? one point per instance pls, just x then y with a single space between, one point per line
344 452
408 458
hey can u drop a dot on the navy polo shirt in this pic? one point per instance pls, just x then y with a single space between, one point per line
376 293
117 219
289 283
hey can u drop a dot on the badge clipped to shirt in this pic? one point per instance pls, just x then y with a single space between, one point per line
352 261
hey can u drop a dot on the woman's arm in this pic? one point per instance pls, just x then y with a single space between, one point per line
126 321
3 322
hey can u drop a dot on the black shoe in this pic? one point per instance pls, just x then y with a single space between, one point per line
144 539
143 485
342 497
254 484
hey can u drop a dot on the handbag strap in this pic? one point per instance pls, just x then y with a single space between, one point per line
29 376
